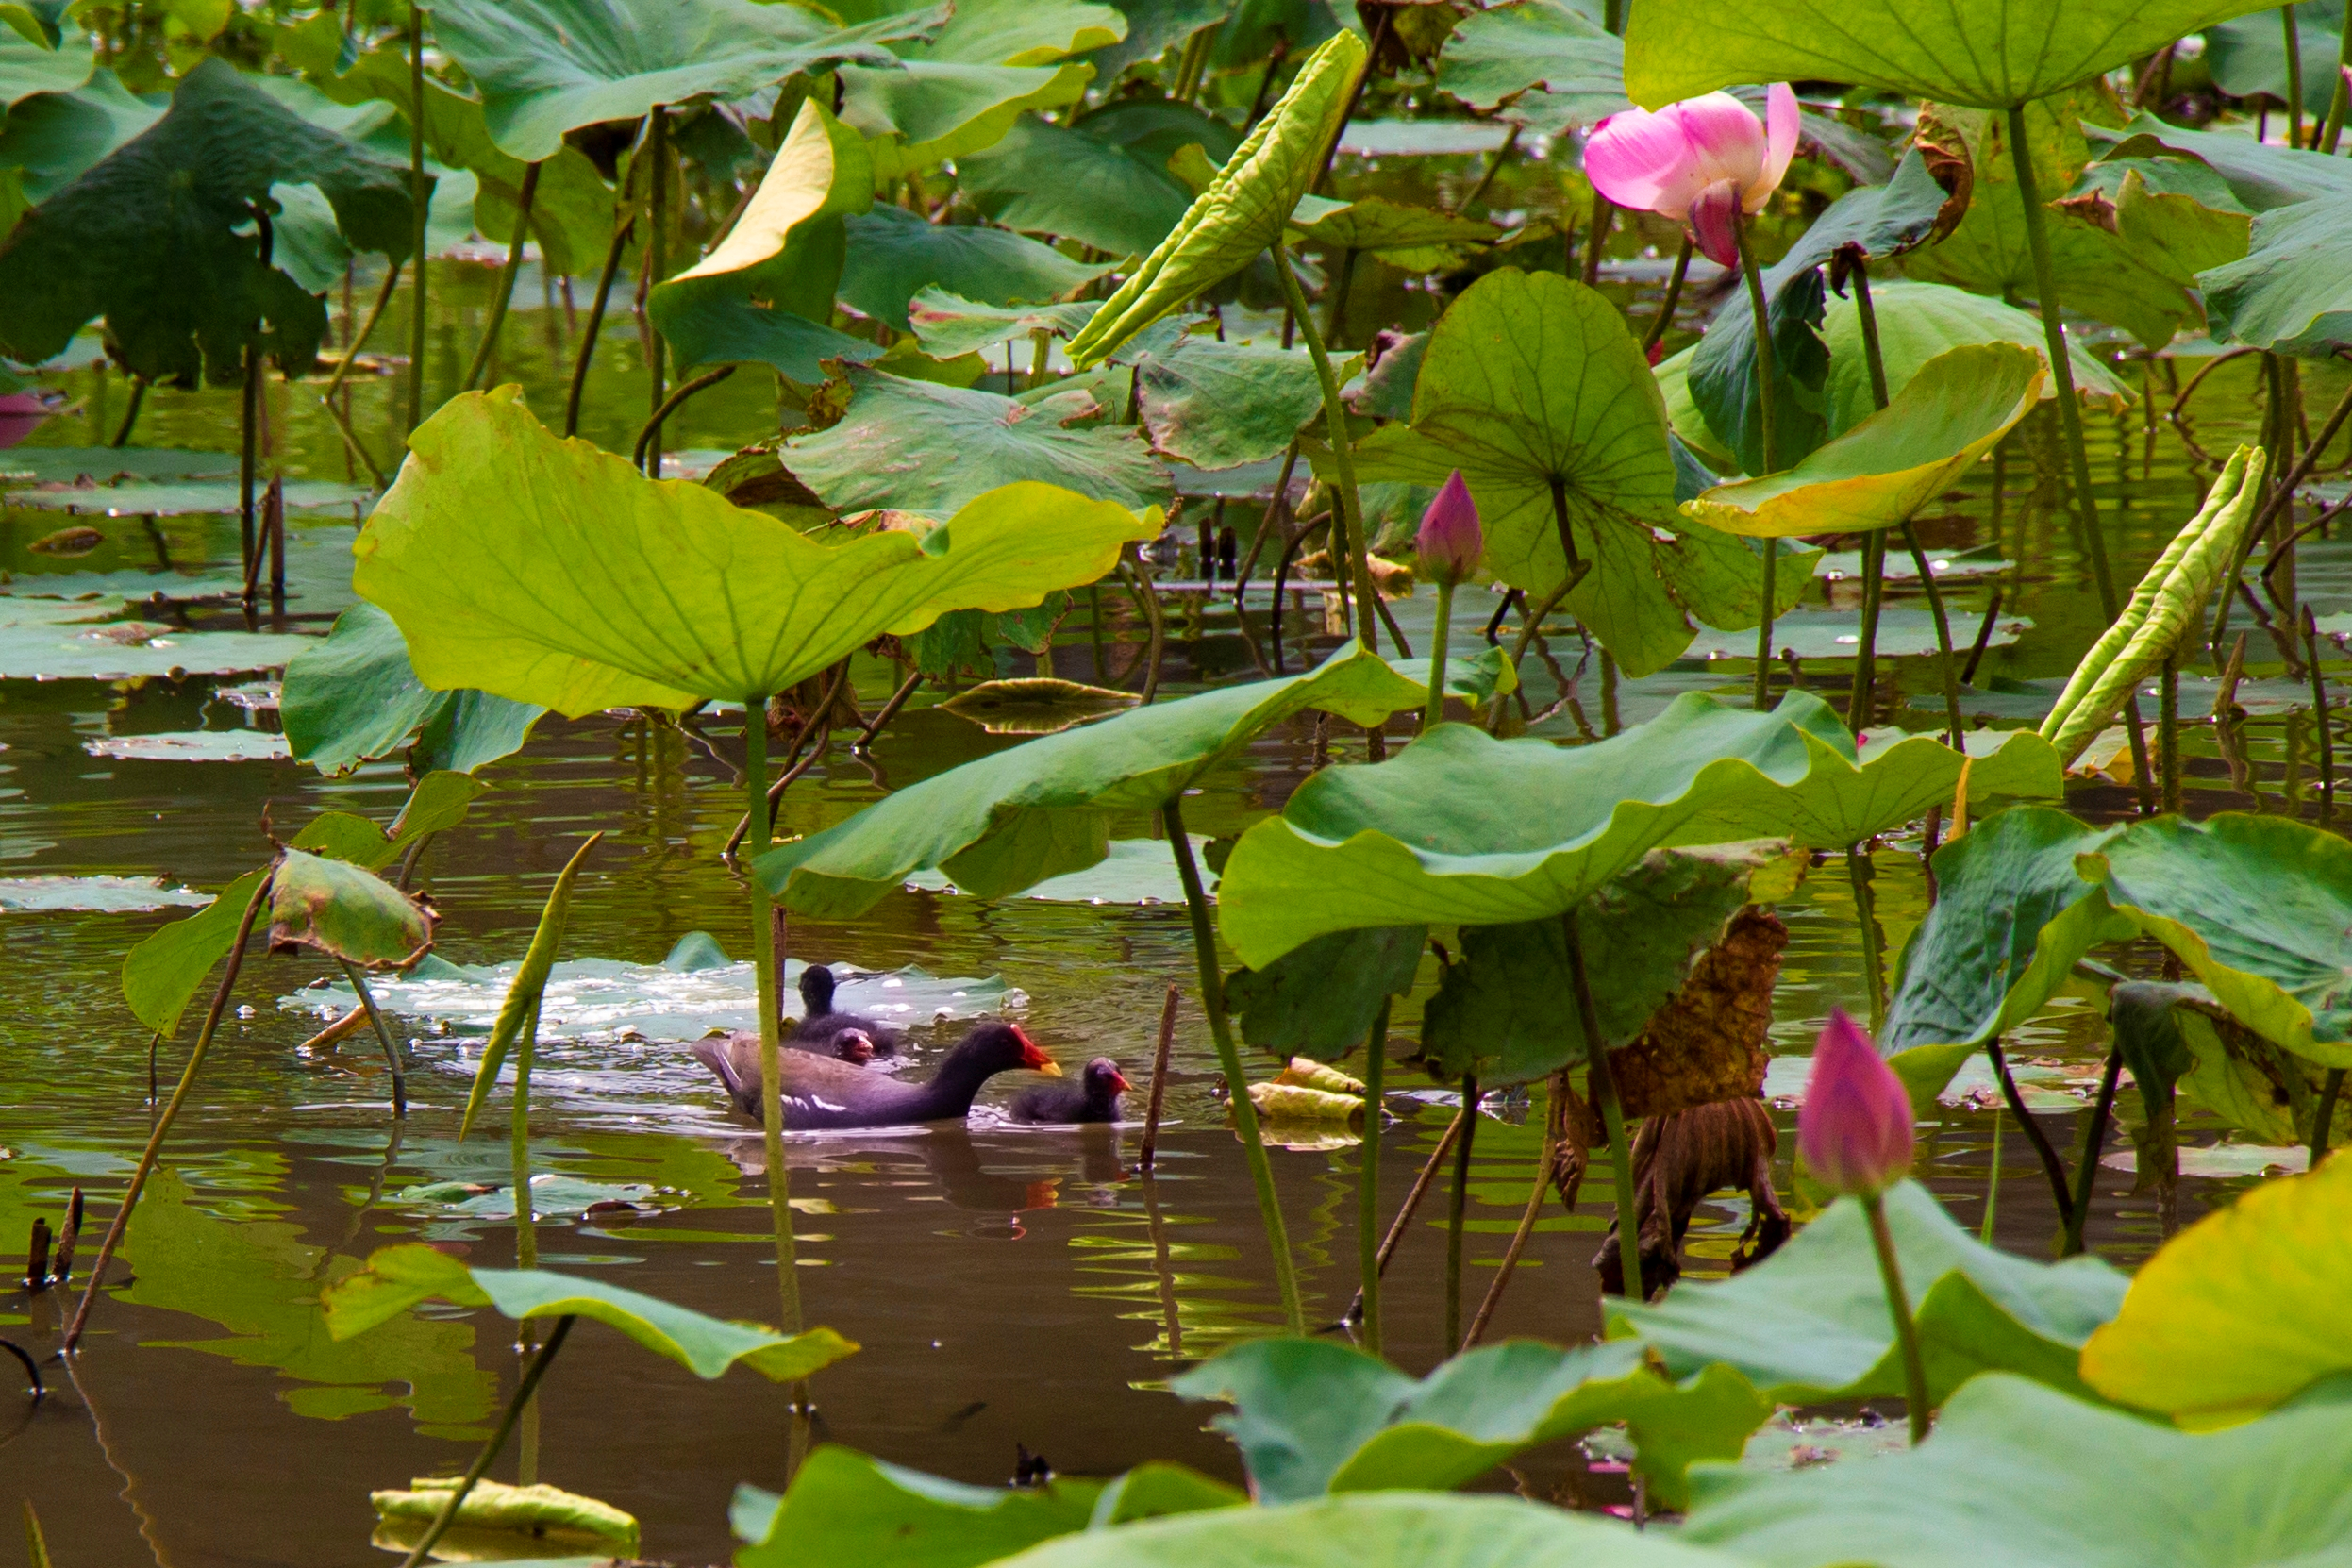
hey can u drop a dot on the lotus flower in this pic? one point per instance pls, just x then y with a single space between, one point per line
1703 162
1450 541
1855 1130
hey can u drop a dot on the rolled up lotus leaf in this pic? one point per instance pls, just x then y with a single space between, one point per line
1277 1101
346 912
2168 602
1306 1073
1245 208
542 1511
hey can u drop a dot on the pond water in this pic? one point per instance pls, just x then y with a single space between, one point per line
1012 1287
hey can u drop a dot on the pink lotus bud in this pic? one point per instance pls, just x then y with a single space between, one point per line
1450 539
1855 1130
1671 163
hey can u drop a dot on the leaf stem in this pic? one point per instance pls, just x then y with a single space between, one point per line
1351 507
171 1113
1230 1059
1899 1307
2324 1118
506 275
621 231
647 456
1657 333
1368 1179
383 1035
2333 132
656 260
2294 42
1457 1201
1435 710
1601 1089
2087 1168
420 201
1767 418
488 1456
367 327
519 1145
763 964
1858 704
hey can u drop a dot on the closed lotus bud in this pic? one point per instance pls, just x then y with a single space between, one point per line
1450 541
1855 1130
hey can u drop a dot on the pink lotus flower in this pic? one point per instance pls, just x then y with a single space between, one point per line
1855 1130
1450 541
1703 161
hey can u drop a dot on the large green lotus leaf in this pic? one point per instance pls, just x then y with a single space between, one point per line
2012 918
2023 1476
1528 381
161 974
355 697
2260 176
1497 1011
56 136
1058 179
2240 1312
2290 294
1547 66
398 1277
1156 129
1041 809
848 1510
1395 1530
783 257
921 446
1320 1000
1462 829
345 911
27 68
1918 323
922 113
544 67
520 1010
440 800
949 325
147 237
1880 473
2259 909
1378 224
1021 32
1880 221
674 596
2100 270
1991 54
1243 210
895 255
1313 1416
259 1281
1220 405
1809 1325
2248 55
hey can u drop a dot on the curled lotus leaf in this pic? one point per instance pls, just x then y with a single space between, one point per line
345 911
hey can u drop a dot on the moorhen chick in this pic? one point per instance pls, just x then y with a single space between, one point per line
820 1023
822 1091
1093 1098
851 1045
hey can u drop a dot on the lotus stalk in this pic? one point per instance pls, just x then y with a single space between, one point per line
1601 1089
1451 545
763 958
499 301
1368 1179
1349 508
1855 1133
1230 1059
383 1036
2333 132
1457 1203
496 1442
420 198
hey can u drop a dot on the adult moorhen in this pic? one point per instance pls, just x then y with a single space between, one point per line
823 1091
821 1022
1093 1098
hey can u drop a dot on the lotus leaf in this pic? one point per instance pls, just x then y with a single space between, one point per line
161 974
1311 1416
1042 809
2261 176
772 605
56 136
183 298
545 67
897 257
520 1010
1919 323
1059 179
2022 1475
2239 1312
1320 1000
948 326
1532 386
1379 225
28 66
2258 909
355 697
1461 830
2288 294
1809 1324
1219 404
98 894
192 745
924 112
2248 55
398 1277
1244 209
2012 918
1992 55
1880 473
1399 1529
1546 65
541 1512
344 912
1498 1012
845 1509
782 259
922 447
440 800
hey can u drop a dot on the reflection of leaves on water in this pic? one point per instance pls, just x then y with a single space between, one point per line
259 1281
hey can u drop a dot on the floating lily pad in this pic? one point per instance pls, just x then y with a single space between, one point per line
101 894
194 746
2223 1162
1421 138
1036 706
185 497
47 639
552 1197
1136 870
127 587
1817 634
